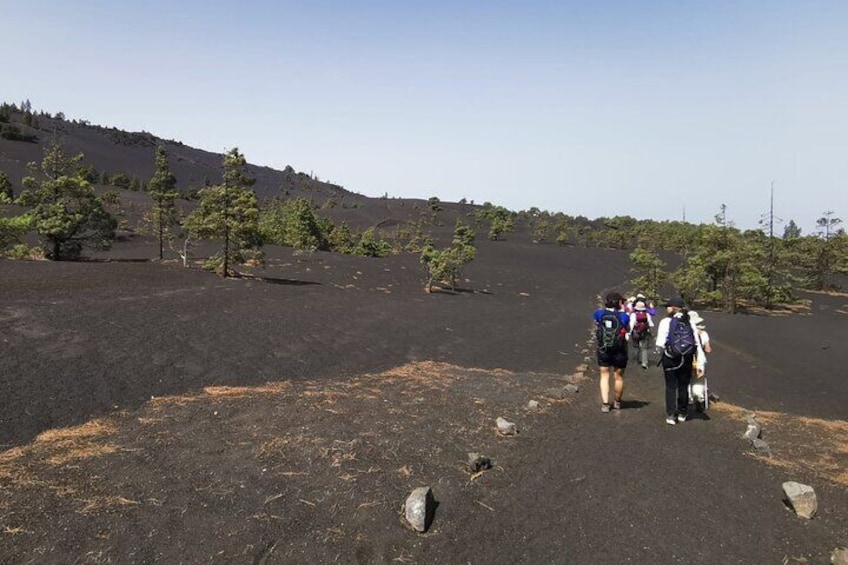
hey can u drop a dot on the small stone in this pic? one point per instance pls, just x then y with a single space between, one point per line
556 393
534 406
752 432
419 509
506 428
802 498
839 556
582 368
478 462
761 447
572 389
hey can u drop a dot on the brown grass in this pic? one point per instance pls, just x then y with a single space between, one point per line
799 443
54 465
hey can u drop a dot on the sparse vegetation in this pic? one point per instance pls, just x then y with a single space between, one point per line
66 213
230 212
162 188
446 264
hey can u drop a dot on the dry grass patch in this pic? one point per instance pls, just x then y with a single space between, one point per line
100 503
799 443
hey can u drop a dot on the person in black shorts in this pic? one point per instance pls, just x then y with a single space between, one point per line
612 325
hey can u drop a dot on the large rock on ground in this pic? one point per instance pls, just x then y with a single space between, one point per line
802 499
506 428
478 462
839 556
419 509
752 432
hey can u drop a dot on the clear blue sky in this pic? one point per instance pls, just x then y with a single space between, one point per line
593 108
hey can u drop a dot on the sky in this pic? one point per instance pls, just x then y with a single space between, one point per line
661 109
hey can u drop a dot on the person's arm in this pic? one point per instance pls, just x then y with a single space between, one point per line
650 320
632 323
696 332
662 333
705 342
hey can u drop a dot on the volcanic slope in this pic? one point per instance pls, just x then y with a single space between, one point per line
159 414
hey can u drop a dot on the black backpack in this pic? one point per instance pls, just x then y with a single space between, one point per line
681 338
611 333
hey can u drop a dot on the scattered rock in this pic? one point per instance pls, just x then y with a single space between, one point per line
556 393
761 447
534 406
582 368
802 499
839 556
751 418
419 509
478 462
572 389
752 432
506 428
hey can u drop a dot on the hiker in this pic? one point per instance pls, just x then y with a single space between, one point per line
678 348
612 336
640 326
698 390
648 303
628 306
699 364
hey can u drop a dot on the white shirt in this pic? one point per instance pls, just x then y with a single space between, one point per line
665 327
633 319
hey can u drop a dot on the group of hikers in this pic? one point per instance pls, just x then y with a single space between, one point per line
682 343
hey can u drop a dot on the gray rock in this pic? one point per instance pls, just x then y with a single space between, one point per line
752 432
506 428
761 447
572 389
419 509
802 499
556 393
751 418
534 406
839 556
478 462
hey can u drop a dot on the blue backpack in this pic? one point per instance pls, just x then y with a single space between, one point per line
681 338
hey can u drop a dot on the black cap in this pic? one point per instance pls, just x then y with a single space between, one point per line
677 301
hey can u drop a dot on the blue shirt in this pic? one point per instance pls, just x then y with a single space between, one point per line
623 317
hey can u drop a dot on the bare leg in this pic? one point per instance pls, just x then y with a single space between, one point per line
619 383
605 374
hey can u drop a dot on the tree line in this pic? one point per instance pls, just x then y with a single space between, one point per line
66 213
715 265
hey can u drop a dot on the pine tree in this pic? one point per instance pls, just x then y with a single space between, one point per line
6 192
163 191
66 214
229 211
648 271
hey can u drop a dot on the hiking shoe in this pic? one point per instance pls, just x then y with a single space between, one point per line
681 417
644 367
671 421
605 407
616 405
